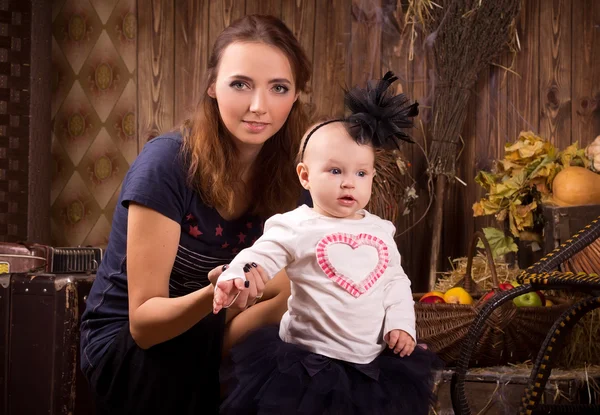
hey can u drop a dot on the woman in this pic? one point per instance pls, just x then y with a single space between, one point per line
190 201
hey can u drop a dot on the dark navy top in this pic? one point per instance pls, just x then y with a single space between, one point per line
157 179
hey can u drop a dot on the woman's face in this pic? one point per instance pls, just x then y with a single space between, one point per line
254 89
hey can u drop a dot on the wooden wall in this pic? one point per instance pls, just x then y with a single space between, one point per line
556 92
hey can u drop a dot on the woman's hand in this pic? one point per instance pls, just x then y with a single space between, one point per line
256 278
214 273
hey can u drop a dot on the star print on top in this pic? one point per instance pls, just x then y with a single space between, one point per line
229 241
194 231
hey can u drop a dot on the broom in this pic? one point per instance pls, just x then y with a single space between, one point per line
464 36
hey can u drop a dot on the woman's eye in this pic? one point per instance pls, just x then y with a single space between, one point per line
280 89
238 85
335 171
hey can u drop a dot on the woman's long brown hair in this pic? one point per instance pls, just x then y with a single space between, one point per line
210 150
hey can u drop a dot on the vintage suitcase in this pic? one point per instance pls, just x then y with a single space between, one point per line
24 257
39 316
4 332
43 345
20 257
56 329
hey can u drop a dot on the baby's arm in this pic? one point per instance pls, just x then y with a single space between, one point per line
273 251
399 326
399 305
398 302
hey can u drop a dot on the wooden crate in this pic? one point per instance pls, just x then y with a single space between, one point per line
562 222
498 390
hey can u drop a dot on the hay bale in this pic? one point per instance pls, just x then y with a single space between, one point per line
480 272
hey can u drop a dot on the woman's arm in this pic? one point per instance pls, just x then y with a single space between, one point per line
268 311
152 242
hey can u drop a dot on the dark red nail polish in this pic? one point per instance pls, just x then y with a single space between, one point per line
246 283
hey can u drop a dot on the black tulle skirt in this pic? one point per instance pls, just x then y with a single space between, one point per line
265 375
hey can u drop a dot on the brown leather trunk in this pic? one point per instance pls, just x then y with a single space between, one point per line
41 349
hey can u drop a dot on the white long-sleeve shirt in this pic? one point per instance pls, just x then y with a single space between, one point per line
348 288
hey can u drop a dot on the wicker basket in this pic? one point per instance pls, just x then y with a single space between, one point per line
513 334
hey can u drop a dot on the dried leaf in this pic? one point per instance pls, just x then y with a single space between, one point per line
523 181
500 244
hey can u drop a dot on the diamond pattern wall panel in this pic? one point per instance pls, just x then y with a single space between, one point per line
93 115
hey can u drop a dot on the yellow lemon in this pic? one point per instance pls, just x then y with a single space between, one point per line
458 295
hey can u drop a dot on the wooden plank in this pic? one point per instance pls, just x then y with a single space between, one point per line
484 135
366 42
483 142
330 66
500 107
299 16
191 54
156 57
422 92
221 14
271 7
499 390
458 228
586 71
523 95
555 72
395 42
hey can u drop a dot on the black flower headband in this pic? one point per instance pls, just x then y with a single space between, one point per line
377 117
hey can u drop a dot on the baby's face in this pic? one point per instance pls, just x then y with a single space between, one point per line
337 171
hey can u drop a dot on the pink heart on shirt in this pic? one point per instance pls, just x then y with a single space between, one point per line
355 286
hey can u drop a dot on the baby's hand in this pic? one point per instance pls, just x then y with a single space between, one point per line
226 293
401 342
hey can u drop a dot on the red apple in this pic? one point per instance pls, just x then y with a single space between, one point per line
542 297
433 297
488 295
505 286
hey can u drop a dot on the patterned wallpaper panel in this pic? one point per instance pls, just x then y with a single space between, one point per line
93 115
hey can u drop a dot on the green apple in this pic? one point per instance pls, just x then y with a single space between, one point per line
539 293
528 300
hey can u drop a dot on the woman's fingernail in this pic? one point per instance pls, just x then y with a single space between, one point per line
225 267
254 264
246 283
246 268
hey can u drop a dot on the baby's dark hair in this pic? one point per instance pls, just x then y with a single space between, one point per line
377 117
